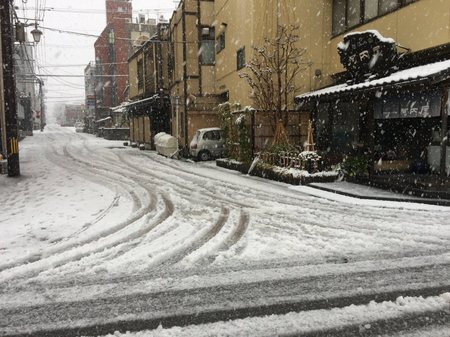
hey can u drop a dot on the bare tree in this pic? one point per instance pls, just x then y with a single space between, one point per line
272 72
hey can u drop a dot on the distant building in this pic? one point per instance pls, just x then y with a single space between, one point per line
72 114
90 83
112 50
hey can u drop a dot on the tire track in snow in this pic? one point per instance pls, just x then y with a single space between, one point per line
166 175
64 247
131 167
229 241
128 243
60 247
181 252
80 251
369 231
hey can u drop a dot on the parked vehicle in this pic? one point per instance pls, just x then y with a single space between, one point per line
207 144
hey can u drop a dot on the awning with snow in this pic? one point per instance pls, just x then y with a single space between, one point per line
145 105
120 108
427 74
103 119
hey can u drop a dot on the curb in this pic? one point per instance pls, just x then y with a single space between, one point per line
438 202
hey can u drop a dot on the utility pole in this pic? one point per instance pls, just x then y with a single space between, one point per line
12 134
41 97
3 149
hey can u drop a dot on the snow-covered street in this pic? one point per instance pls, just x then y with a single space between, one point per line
95 233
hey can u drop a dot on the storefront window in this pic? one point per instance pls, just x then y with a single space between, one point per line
345 127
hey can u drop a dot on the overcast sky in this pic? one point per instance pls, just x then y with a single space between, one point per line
63 53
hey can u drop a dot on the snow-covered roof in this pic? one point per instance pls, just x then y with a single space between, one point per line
144 100
407 75
103 119
121 107
374 32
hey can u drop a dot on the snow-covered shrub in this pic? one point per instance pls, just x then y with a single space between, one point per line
354 166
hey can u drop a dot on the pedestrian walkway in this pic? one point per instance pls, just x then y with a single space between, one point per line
368 192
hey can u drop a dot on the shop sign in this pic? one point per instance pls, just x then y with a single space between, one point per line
419 105
367 55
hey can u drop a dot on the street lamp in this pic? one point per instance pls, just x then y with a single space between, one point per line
20 32
36 34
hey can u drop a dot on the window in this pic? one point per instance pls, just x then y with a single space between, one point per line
140 74
386 6
339 14
212 135
370 10
241 58
220 43
353 12
207 52
350 13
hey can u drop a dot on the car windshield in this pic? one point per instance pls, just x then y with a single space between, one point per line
224 168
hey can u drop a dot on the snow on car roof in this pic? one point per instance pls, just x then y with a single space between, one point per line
208 129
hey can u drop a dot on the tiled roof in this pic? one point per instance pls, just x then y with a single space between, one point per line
407 75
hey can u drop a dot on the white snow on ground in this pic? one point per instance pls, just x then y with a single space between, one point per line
87 209
48 205
283 222
304 322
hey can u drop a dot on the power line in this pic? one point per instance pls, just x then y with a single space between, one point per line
101 11
117 38
70 75
76 65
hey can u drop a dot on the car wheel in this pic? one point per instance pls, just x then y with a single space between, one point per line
204 156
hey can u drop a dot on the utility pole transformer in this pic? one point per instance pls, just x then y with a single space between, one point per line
10 108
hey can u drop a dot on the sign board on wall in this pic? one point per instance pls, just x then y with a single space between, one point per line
409 105
367 55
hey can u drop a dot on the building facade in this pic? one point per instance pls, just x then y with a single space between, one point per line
111 53
192 82
28 107
388 106
149 107
211 41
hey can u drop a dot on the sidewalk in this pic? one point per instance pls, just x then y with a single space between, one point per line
367 192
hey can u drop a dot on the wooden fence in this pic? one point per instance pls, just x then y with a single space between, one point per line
291 160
